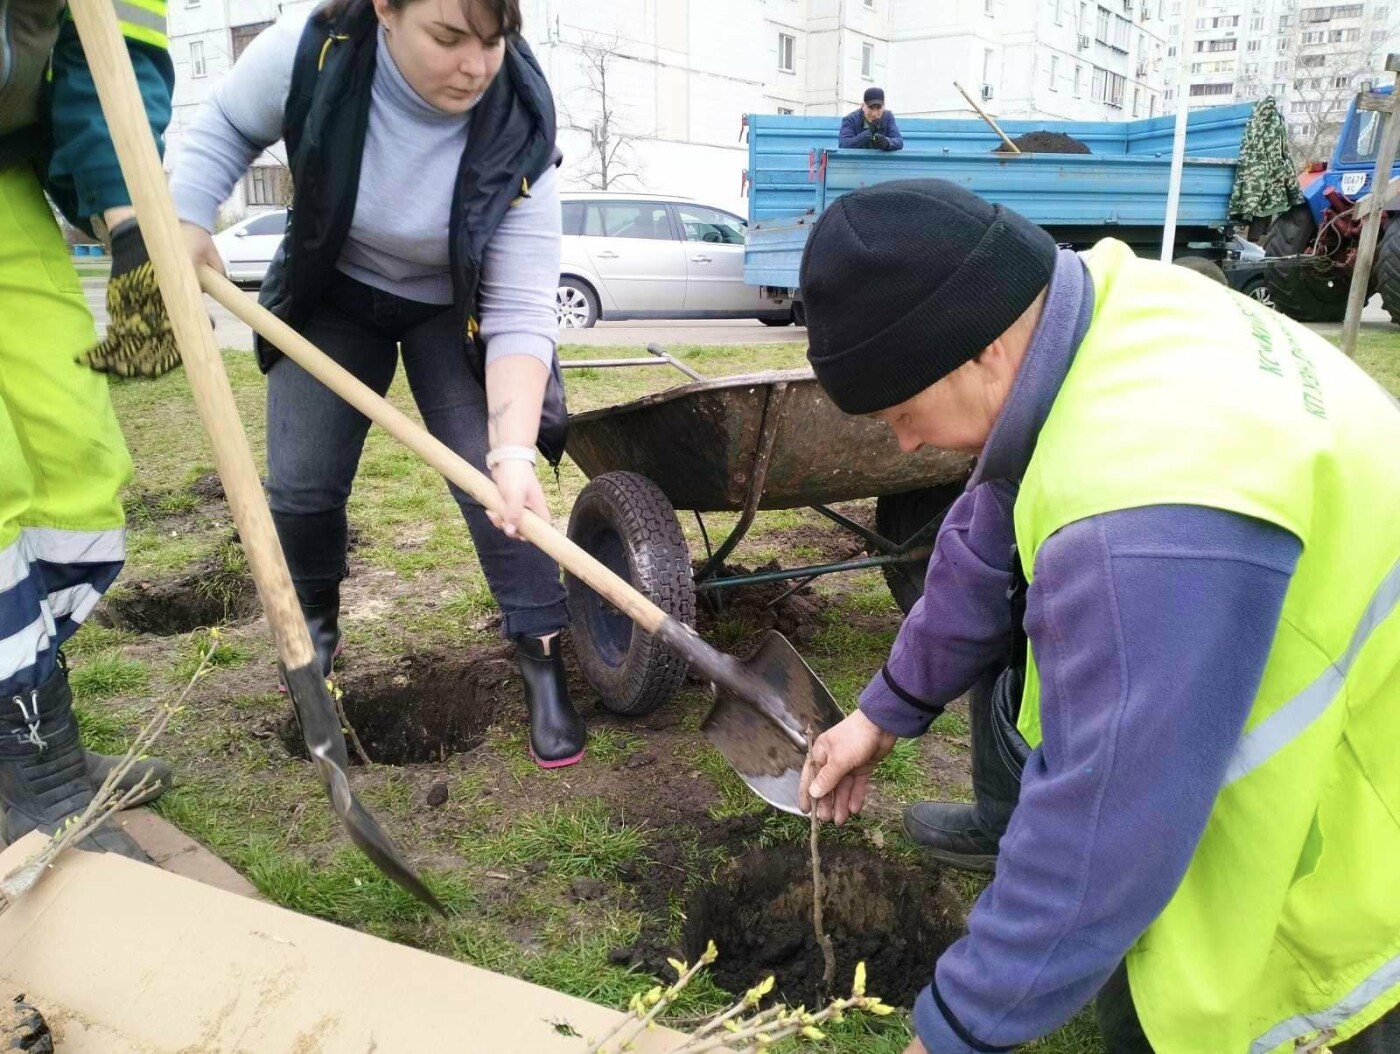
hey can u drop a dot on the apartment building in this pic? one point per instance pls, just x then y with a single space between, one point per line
676 77
1312 57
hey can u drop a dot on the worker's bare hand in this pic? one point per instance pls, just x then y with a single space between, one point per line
200 245
837 773
915 1048
520 490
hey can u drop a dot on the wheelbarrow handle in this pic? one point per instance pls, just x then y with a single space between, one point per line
439 456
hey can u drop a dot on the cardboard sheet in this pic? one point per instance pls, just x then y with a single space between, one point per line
124 958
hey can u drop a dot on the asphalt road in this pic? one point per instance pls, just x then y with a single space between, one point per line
232 333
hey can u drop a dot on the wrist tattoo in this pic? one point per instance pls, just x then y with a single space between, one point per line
494 418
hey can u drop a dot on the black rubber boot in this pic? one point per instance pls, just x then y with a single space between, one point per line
315 546
321 609
967 836
558 735
43 771
162 776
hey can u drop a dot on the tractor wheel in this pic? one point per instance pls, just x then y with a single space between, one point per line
1305 288
1387 270
625 521
898 517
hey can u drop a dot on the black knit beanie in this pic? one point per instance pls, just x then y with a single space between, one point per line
903 282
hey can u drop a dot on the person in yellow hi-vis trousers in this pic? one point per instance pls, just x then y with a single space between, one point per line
62 458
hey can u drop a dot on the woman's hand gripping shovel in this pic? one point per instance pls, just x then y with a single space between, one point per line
763 706
126 118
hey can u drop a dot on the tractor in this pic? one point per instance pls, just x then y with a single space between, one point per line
1312 247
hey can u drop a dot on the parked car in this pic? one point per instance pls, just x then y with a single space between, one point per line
248 246
649 256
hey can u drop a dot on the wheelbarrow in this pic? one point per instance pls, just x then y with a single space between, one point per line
745 444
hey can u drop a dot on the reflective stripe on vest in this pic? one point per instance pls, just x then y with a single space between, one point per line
1287 921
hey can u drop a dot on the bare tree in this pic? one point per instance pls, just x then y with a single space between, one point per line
1323 76
611 158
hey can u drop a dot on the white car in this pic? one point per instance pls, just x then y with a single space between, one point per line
648 256
248 246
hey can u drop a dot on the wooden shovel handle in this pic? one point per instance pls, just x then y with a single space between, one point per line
160 229
412 435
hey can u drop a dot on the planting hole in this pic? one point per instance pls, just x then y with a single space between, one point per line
167 608
895 917
421 709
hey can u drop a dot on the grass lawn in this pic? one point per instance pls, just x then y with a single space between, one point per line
548 876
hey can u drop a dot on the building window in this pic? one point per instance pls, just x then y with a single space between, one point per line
197 67
1078 80
867 61
787 53
1256 25
1059 12
1101 24
244 35
988 8
785 111
870 5
1054 73
1253 45
1137 101
1211 89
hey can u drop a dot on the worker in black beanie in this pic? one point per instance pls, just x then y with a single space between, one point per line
1170 480
906 281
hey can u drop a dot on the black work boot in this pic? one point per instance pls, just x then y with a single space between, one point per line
161 776
967 836
43 771
557 732
949 831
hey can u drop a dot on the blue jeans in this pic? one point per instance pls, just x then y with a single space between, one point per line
314 441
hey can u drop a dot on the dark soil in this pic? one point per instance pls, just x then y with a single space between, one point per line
208 487
420 709
895 917
1046 143
796 615
166 607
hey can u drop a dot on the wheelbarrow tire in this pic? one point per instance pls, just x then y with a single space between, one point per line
898 517
624 520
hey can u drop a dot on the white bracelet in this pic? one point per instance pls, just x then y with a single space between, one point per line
509 453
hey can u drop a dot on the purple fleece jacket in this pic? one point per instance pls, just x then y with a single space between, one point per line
1151 628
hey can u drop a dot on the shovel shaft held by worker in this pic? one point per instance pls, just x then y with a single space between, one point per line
763 705
160 230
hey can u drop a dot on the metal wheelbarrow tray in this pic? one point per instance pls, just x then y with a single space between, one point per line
770 440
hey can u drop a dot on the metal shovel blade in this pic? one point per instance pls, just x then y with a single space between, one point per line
761 752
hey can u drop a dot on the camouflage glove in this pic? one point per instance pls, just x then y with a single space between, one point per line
139 339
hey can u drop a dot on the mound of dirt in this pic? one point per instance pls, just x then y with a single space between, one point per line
419 709
895 917
767 605
1046 143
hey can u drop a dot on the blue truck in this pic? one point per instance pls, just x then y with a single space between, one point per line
1311 249
1117 190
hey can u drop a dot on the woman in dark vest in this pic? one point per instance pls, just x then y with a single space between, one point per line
420 138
